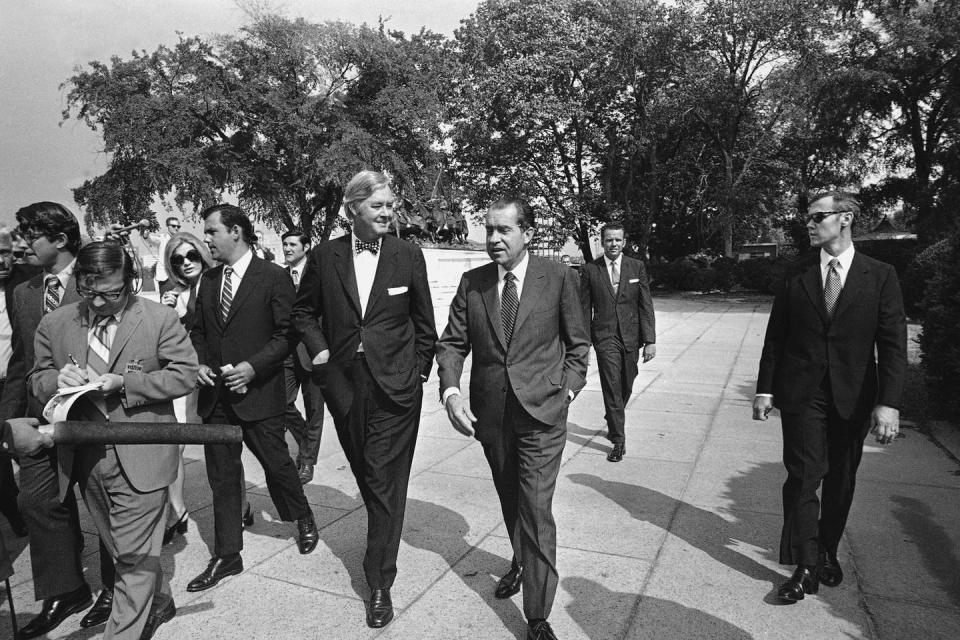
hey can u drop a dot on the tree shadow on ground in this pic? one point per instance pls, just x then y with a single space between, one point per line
585 437
595 609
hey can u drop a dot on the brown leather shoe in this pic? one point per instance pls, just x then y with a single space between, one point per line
380 612
509 584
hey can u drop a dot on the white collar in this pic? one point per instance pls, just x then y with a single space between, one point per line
240 266
845 259
520 270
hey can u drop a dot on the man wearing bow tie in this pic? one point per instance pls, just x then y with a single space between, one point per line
372 350
297 370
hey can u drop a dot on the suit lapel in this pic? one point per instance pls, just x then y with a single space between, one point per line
131 320
812 282
346 272
491 301
853 286
532 287
250 279
386 265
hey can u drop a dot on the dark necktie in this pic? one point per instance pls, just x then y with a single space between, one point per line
372 247
831 290
226 297
51 295
509 302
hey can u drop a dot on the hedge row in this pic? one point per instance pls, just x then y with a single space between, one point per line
940 337
712 274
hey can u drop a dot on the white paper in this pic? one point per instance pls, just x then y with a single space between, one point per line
59 405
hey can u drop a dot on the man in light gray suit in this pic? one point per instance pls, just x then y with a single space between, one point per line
521 318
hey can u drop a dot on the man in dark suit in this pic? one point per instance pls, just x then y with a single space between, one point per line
140 354
615 295
818 367
56 542
521 318
372 349
241 335
297 369
11 274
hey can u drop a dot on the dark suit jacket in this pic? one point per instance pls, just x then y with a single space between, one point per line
547 354
256 330
150 336
802 344
301 353
26 312
398 328
628 313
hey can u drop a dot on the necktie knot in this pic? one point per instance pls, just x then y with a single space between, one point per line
52 282
509 277
834 263
372 247
228 271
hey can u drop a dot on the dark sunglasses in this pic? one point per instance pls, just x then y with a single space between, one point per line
19 254
109 296
821 216
193 255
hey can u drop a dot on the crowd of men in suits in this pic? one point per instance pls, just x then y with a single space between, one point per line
350 323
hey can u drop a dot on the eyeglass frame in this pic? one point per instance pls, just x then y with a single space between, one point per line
110 296
820 216
177 260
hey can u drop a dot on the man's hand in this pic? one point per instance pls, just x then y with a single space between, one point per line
206 377
649 352
239 376
886 423
112 383
71 376
460 415
26 439
322 358
762 406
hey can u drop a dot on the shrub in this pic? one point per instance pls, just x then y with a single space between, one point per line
761 274
940 338
920 272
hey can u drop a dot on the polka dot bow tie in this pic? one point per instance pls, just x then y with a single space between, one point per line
372 247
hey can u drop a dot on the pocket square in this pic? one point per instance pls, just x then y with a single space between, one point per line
395 291
632 280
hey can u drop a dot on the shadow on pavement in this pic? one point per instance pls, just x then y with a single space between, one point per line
585 437
934 544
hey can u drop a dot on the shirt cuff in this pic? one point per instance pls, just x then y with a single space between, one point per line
763 395
449 391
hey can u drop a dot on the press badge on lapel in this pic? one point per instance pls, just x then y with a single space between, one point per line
135 366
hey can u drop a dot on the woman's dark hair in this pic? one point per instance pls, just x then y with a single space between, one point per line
99 259
51 220
231 216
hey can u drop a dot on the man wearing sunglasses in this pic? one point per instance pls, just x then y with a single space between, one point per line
163 278
835 311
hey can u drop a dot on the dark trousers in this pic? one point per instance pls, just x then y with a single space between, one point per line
265 440
8 483
524 463
307 432
618 369
56 541
378 437
819 448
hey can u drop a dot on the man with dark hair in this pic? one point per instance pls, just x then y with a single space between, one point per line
520 316
365 313
56 542
141 357
242 338
834 362
615 295
162 277
297 370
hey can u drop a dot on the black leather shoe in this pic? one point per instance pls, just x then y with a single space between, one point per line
177 528
803 581
830 572
616 455
381 609
100 610
246 520
509 584
539 629
157 618
217 570
307 534
305 472
55 610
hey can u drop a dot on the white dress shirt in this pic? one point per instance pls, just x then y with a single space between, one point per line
239 268
610 263
845 259
365 268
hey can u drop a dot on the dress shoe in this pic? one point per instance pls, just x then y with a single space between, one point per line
307 534
157 618
381 609
177 528
247 519
217 570
616 455
830 572
509 584
305 472
803 581
55 610
539 629
100 610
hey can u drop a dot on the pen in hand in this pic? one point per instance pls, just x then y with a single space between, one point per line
73 360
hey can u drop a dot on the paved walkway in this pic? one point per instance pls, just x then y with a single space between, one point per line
676 541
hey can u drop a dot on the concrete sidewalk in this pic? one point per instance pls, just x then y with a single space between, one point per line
677 541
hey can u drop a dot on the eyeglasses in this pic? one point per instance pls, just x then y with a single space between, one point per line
173 226
109 296
31 236
19 254
177 260
820 216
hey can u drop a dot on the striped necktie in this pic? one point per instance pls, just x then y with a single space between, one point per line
51 295
509 302
98 347
831 290
226 296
